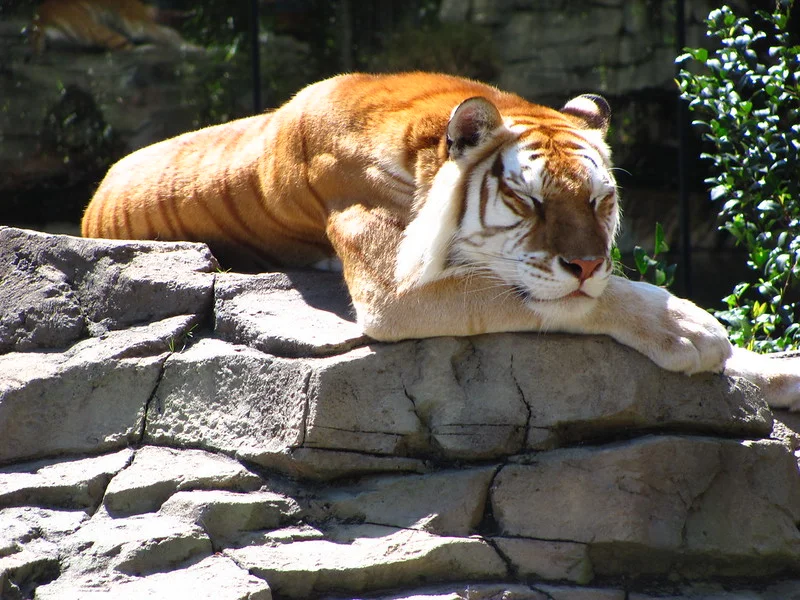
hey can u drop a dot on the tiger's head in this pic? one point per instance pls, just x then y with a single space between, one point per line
528 200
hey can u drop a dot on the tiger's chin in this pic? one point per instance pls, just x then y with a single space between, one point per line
574 305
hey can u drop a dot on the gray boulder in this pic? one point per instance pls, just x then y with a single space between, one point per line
59 289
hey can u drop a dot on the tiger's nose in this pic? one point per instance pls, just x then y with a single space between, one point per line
582 268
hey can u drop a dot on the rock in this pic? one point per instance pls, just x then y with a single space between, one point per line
428 398
70 484
413 501
229 399
465 396
786 590
514 465
223 514
717 501
58 289
252 310
24 571
541 559
82 400
366 557
311 463
553 592
135 545
36 528
358 402
214 577
30 547
157 473
498 591
566 391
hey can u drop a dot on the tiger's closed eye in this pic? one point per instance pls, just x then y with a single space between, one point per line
533 201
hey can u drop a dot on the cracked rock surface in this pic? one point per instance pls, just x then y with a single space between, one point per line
168 430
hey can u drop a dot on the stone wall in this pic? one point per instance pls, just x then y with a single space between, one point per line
166 428
551 49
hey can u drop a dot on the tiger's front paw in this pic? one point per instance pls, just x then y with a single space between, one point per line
687 339
674 333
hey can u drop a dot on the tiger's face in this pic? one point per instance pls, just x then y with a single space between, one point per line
542 219
533 205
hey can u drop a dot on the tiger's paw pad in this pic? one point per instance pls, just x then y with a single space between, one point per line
689 340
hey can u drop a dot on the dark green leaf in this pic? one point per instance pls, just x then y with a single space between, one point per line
640 258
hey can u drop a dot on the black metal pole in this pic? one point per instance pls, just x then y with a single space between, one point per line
683 150
255 56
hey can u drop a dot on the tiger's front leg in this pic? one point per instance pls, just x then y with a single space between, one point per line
366 241
674 333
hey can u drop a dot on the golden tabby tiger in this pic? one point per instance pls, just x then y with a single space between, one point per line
455 209
108 24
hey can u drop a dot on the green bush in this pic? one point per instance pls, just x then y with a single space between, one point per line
747 101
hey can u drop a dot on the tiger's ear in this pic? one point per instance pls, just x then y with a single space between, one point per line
592 109
470 123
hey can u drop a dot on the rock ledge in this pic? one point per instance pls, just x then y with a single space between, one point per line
165 425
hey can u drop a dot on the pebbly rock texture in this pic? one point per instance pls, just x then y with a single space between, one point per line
167 428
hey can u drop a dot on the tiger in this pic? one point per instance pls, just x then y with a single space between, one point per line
451 207
106 24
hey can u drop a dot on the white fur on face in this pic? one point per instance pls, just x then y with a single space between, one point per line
423 252
494 235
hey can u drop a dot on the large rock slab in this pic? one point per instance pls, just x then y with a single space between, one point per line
53 404
90 398
252 310
31 527
224 515
507 591
71 484
444 398
366 557
229 398
698 505
58 289
157 473
547 560
514 465
449 502
136 545
214 577
29 547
